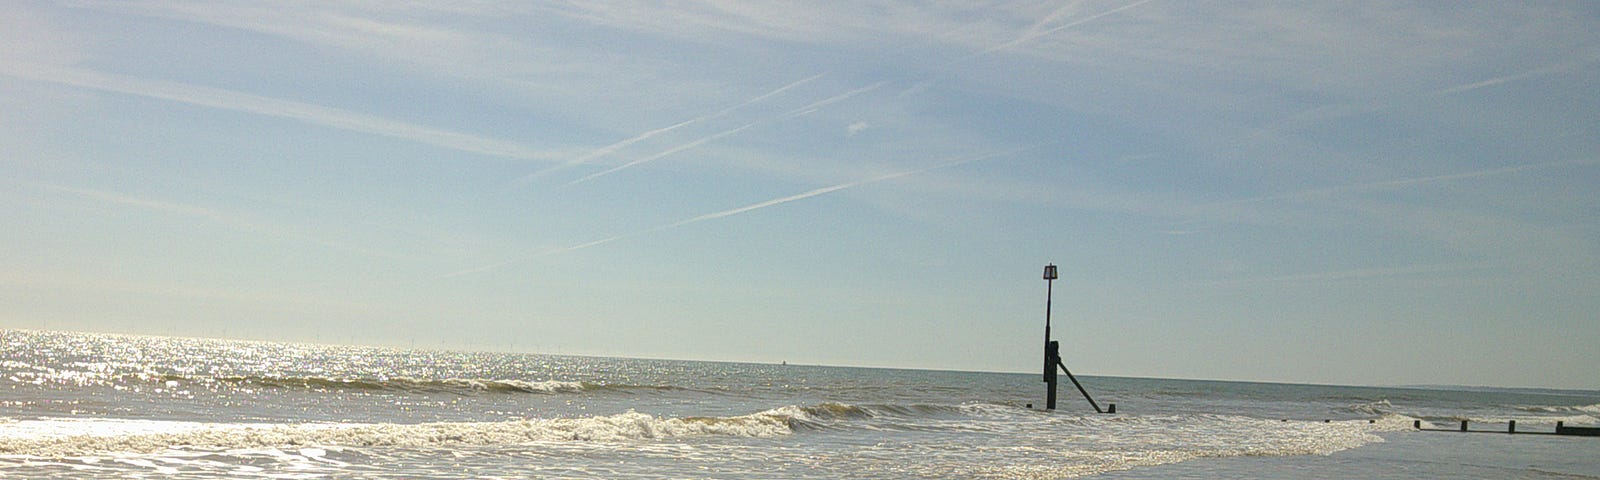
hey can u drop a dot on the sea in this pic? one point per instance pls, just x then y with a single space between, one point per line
84 405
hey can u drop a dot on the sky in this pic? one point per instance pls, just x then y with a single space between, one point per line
1374 193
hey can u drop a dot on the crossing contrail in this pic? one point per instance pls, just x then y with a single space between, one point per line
740 210
725 133
608 149
663 153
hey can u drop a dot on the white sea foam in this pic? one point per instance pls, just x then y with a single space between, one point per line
1061 446
1001 441
1379 407
548 386
59 428
1592 411
72 437
1545 420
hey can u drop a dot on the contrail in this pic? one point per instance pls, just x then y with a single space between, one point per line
832 100
770 94
1065 10
1537 72
741 210
1329 113
1034 34
599 152
304 112
703 140
608 149
670 151
813 193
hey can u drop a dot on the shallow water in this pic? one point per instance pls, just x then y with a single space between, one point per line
87 405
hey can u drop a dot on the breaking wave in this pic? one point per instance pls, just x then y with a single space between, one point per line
834 410
1591 410
1533 415
1380 407
152 437
69 436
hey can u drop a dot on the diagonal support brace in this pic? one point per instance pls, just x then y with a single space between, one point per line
1052 353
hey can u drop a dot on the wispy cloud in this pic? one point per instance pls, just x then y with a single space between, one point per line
256 104
230 219
608 149
855 128
134 202
1407 182
742 210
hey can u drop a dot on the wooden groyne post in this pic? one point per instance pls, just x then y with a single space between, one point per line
1511 428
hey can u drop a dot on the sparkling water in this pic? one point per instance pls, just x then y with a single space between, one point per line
75 405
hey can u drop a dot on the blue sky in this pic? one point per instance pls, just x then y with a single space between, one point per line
1333 192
